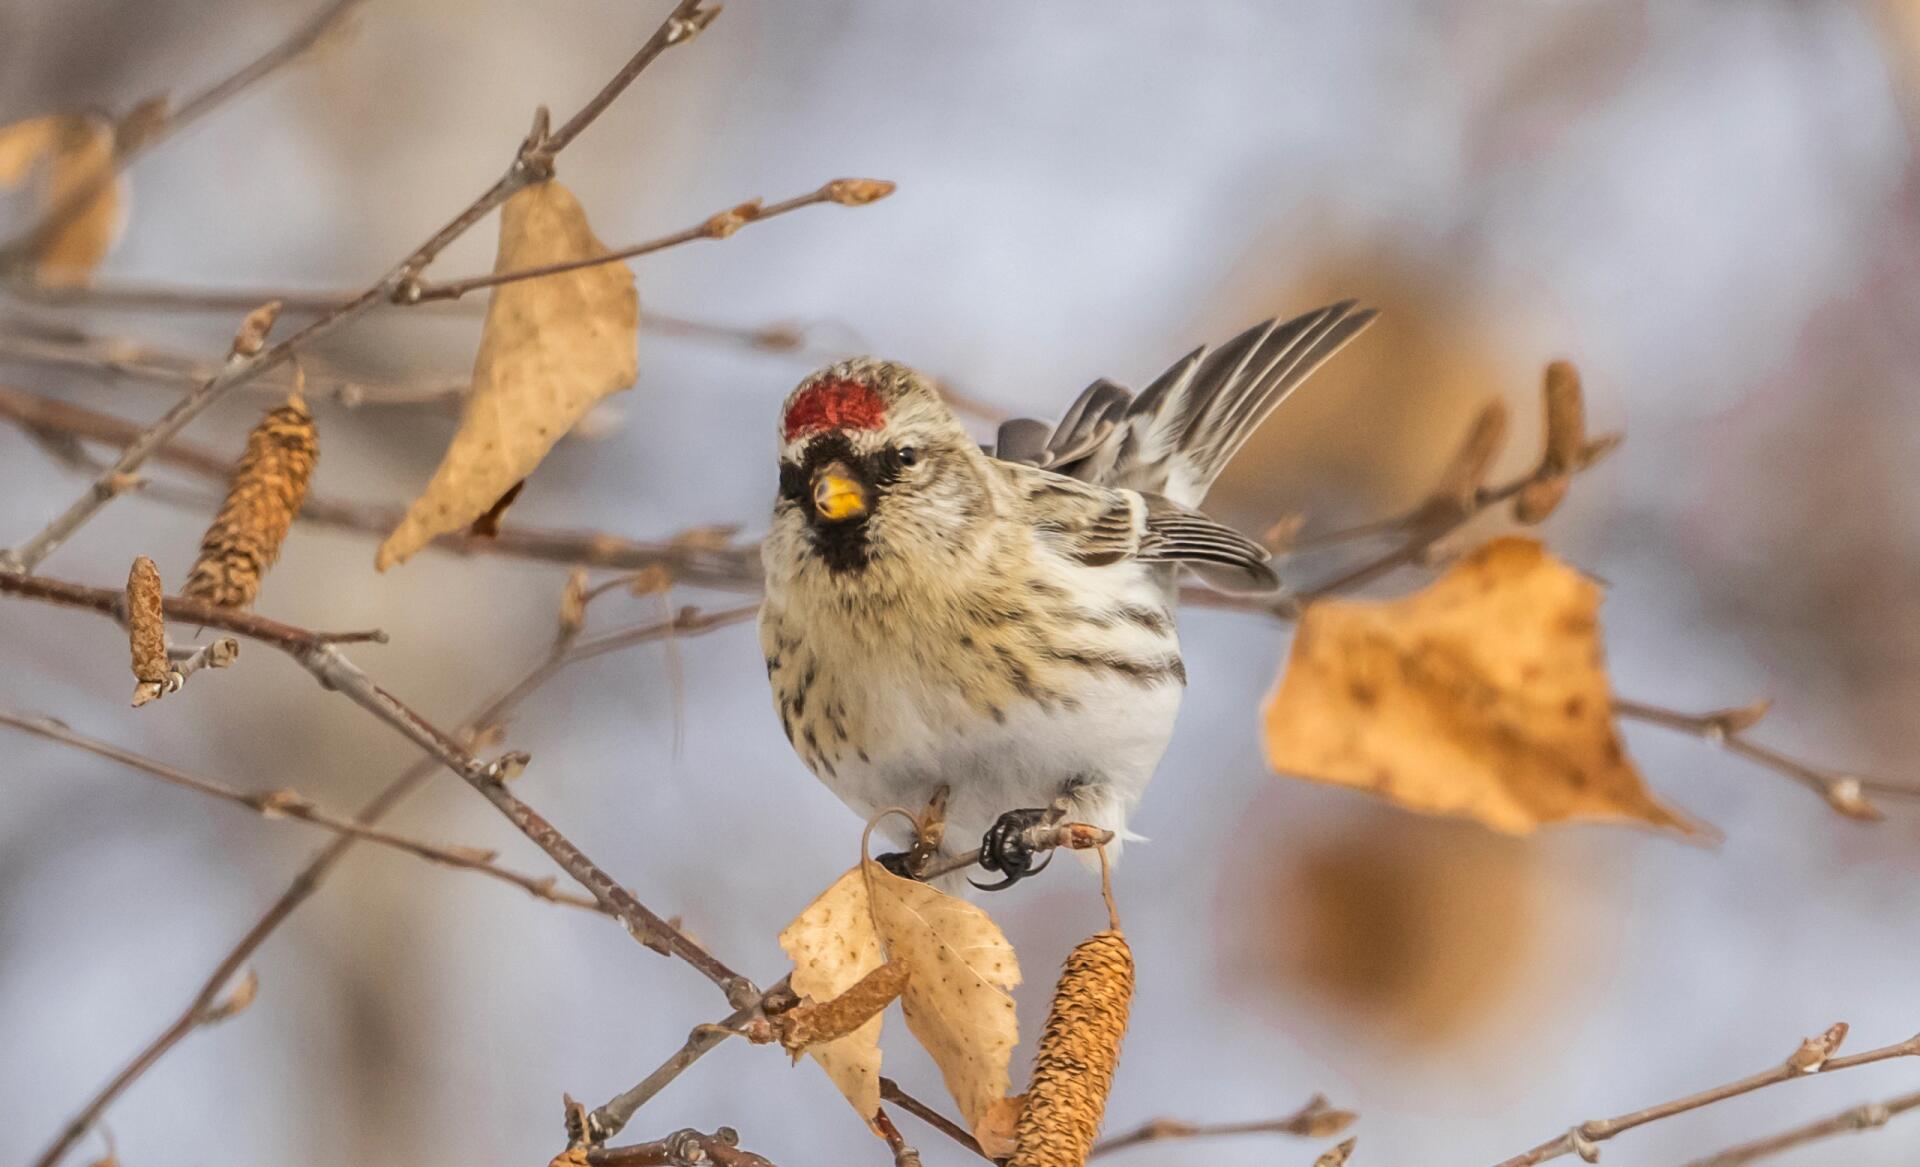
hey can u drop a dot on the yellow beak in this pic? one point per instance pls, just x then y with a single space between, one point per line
837 496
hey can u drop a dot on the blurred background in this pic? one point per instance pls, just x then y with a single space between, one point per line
1711 208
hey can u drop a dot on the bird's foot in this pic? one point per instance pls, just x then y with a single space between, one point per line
1004 848
900 863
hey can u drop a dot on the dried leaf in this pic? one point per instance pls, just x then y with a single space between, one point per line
833 945
1337 1155
487 526
1484 695
147 631
74 154
814 1022
994 1133
956 1002
551 348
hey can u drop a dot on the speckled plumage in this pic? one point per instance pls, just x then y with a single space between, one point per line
991 625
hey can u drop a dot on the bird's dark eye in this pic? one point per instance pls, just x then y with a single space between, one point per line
907 455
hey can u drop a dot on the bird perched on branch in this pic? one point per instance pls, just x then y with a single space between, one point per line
1001 622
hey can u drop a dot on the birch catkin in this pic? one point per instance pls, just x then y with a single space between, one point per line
147 631
1073 1068
263 496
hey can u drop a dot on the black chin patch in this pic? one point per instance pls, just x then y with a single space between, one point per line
843 546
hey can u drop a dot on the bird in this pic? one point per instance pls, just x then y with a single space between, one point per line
999 621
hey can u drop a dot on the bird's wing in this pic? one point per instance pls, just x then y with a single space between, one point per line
1097 526
1180 432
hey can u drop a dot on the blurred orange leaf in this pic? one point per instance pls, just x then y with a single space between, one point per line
1484 696
72 154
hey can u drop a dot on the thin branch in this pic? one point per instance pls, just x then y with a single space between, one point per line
609 1119
291 804
1315 1120
890 1092
107 602
686 1148
127 147
1866 1117
717 226
694 562
1815 1056
206 1001
532 163
1726 728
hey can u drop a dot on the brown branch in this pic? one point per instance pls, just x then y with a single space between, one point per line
1815 1056
890 1091
686 1148
17 252
1726 728
532 163
205 1004
692 562
291 804
1315 1120
107 602
1870 1116
717 226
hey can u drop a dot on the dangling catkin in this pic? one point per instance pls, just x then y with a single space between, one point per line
1079 1049
263 496
147 631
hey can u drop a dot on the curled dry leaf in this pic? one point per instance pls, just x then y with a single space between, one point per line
833 945
147 631
958 968
1337 1155
956 1002
813 1022
72 154
1484 696
551 348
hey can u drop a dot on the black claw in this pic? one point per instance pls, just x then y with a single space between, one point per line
1004 848
896 862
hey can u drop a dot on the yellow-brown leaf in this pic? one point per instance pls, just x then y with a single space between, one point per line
74 155
956 1002
552 347
833 945
1484 696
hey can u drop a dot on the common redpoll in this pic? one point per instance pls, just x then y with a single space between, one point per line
1001 622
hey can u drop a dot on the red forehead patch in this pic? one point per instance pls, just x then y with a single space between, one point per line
835 405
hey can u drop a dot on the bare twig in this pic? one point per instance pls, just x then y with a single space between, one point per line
151 133
291 804
1726 728
695 562
890 1092
107 602
1315 1120
717 226
904 1155
1042 837
686 1148
205 1003
1869 1116
532 163
1815 1056
609 1119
